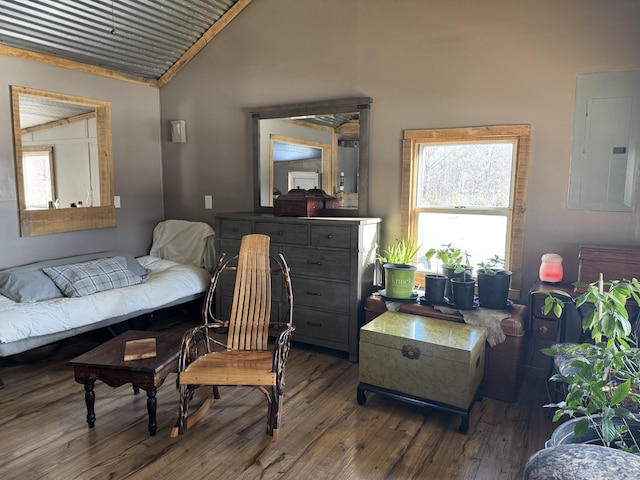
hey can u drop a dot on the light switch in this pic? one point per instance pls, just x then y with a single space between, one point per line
208 201
116 201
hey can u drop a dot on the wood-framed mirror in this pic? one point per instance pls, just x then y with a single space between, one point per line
322 144
64 162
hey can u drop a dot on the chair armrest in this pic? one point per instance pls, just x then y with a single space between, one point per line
281 353
196 343
193 340
280 325
216 323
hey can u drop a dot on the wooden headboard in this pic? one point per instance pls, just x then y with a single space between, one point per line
615 263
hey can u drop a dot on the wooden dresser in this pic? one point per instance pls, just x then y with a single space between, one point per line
332 267
613 262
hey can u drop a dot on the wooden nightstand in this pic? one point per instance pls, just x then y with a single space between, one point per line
545 329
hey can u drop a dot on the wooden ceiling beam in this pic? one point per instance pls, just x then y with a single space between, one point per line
81 67
215 29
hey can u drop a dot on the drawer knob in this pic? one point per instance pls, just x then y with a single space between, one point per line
280 233
311 262
235 229
315 294
314 324
543 330
329 236
410 352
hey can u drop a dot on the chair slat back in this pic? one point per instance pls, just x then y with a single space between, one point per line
251 307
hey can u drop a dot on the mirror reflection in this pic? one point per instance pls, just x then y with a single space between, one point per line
296 164
63 161
314 145
59 153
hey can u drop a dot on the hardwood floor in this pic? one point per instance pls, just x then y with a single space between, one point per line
324 434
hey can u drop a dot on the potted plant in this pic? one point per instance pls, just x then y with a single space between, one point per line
435 284
399 272
451 258
493 283
463 285
603 378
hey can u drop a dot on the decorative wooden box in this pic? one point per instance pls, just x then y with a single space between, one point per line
504 362
296 203
423 360
615 263
327 200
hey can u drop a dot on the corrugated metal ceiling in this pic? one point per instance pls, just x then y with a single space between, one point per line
140 38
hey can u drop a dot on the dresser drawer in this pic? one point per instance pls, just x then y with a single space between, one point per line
332 327
310 292
547 329
325 264
330 236
234 228
283 233
230 247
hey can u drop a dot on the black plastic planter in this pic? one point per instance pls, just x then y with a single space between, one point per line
493 289
434 287
450 273
463 293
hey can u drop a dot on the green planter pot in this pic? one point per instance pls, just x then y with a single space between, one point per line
399 280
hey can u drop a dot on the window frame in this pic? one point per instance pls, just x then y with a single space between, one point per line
521 135
44 151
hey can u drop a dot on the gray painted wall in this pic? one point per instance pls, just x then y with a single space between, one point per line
137 164
427 64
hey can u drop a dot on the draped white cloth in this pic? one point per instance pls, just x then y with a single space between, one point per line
181 241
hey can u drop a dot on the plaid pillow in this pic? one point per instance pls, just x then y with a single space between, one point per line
81 279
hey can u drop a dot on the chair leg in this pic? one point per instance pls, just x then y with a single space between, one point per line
183 412
276 408
185 422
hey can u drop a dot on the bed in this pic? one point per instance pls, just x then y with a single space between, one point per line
177 270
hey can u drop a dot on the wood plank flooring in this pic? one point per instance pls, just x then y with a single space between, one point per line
324 434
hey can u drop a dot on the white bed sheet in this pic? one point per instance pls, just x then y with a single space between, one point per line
168 281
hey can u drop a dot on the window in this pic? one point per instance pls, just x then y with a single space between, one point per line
38 177
467 187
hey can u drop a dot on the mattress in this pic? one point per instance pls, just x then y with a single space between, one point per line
168 283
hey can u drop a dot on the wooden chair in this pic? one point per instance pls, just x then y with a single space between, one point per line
245 360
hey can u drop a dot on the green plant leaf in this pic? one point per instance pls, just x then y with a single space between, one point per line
621 392
402 251
608 430
581 427
557 309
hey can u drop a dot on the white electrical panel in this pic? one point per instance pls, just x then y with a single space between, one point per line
606 137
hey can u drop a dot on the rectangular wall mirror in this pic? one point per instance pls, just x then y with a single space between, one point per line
313 145
64 163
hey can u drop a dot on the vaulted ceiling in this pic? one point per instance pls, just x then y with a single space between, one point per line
143 41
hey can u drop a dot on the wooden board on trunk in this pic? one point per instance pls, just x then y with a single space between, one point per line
139 349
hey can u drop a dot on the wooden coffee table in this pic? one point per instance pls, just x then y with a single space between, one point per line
106 363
